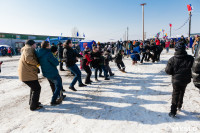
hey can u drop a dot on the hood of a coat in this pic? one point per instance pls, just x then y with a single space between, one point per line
41 52
180 54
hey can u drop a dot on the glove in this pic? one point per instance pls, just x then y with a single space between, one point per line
38 70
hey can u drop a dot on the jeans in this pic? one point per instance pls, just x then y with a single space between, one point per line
75 70
104 70
57 81
107 67
34 93
167 49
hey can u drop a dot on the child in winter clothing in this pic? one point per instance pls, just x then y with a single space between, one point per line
167 43
179 66
98 63
86 62
108 58
119 62
55 53
0 65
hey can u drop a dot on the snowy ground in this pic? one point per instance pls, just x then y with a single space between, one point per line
137 101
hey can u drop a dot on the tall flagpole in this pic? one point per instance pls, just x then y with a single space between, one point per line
143 17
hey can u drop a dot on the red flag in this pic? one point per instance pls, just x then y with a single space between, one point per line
170 25
189 7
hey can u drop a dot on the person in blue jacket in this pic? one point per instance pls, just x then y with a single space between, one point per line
135 55
49 65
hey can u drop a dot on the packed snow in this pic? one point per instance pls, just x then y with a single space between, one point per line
136 101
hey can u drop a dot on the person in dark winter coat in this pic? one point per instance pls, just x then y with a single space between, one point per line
97 62
60 56
49 65
153 52
70 58
108 58
143 53
102 66
147 49
0 65
182 40
119 62
86 62
196 67
179 66
159 50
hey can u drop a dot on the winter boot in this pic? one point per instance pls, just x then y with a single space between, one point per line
107 78
172 115
37 108
101 76
96 80
112 74
55 103
88 83
82 85
72 88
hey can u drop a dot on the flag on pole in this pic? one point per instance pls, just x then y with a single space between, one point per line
48 39
60 37
77 34
83 35
189 7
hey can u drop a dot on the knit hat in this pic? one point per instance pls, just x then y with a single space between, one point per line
180 47
30 42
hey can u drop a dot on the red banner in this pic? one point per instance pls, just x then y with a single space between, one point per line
189 7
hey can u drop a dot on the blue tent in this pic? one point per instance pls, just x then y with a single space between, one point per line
4 46
86 43
59 39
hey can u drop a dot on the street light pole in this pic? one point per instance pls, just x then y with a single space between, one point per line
190 14
127 33
170 25
143 17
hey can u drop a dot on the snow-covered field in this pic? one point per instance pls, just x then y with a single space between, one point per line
136 101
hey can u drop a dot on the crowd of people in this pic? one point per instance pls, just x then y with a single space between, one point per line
48 57
7 52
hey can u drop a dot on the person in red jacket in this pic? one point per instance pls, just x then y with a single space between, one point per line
86 62
9 52
167 44
157 42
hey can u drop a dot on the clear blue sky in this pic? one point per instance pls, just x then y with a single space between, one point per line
100 20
